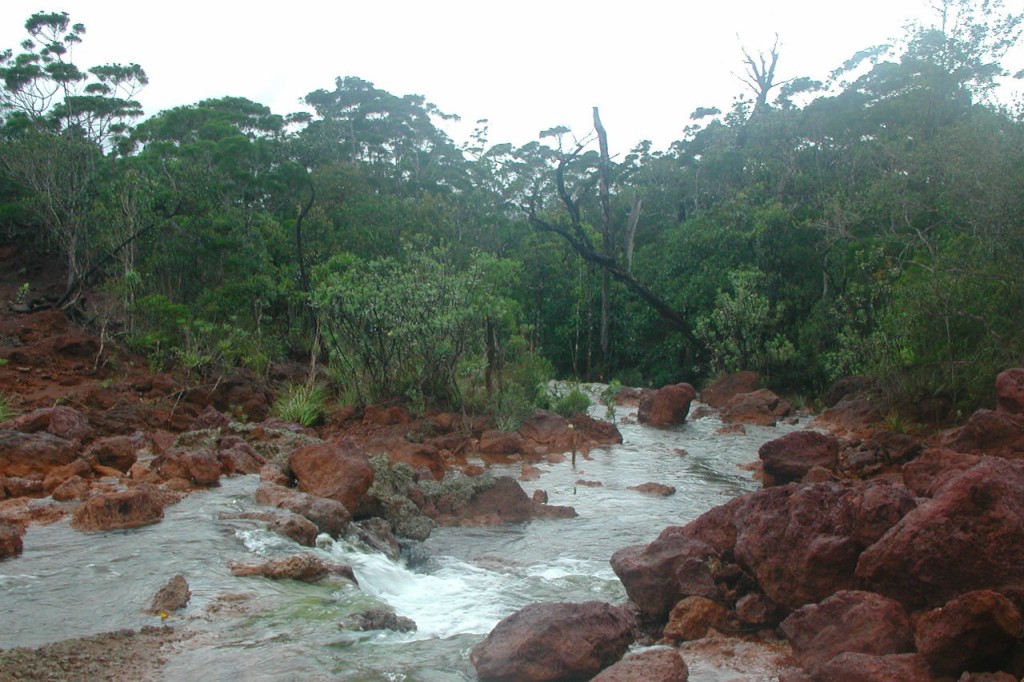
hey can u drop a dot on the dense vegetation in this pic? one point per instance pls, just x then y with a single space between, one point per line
872 224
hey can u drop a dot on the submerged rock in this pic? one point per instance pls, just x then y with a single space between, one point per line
174 595
10 541
378 619
305 567
125 509
666 407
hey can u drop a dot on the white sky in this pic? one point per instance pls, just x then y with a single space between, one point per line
525 65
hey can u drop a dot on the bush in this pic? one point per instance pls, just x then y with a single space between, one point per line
300 403
572 402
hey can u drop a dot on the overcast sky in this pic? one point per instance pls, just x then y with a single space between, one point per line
525 65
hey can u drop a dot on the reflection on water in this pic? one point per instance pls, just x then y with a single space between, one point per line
70 584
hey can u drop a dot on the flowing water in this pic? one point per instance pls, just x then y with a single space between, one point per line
68 584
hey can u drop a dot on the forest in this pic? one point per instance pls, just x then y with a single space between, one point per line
871 224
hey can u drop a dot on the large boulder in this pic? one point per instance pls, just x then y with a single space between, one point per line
553 642
199 467
236 456
761 407
802 542
339 471
329 516
116 452
124 509
848 621
662 664
1010 391
977 631
493 502
666 407
29 454
789 457
174 595
722 390
969 536
63 421
930 470
692 617
989 432
858 667
650 573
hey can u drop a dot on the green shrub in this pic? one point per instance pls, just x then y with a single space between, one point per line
572 402
7 410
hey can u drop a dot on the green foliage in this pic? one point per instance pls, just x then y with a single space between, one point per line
302 403
608 398
571 401
7 410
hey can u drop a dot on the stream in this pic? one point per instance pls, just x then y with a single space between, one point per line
69 584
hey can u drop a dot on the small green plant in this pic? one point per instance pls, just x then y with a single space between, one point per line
894 422
608 399
7 410
572 402
301 403
22 295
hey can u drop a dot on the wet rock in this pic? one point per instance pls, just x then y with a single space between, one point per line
651 665
762 407
286 523
494 502
74 488
377 533
26 454
692 617
656 489
58 475
855 416
419 456
199 467
549 430
789 457
595 432
378 619
554 641
858 667
10 541
329 516
116 452
210 418
339 471
1010 391
63 421
723 389
649 572
236 456
933 468
758 610
305 567
666 407
988 432
847 387
969 536
125 509
860 622
801 542
495 442
731 430
272 473
173 596
976 631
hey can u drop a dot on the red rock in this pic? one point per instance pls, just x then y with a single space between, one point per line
74 488
548 429
666 407
117 452
854 416
594 432
26 454
272 473
63 421
723 389
58 475
648 572
126 509
199 467
210 418
329 516
504 501
651 665
976 631
1010 391
650 488
790 457
1000 434
758 407
756 609
731 430
339 471
554 642
420 456
305 567
236 456
857 667
933 468
10 541
15 486
969 536
692 617
173 596
495 442
385 416
801 542
528 472
848 621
